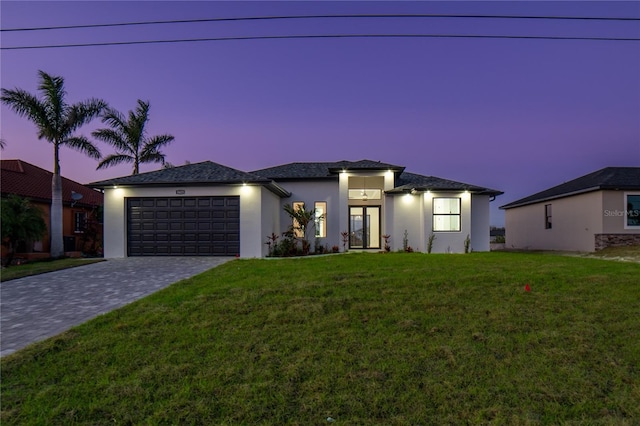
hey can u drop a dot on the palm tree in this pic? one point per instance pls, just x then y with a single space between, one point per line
56 122
130 139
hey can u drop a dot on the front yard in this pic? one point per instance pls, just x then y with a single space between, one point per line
351 339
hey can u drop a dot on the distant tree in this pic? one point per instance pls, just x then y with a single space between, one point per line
56 122
129 138
2 144
21 221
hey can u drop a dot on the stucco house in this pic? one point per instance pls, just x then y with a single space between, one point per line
79 204
210 209
589 213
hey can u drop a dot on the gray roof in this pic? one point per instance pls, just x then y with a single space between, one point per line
203 173
325 170
405 182
616 178
411 181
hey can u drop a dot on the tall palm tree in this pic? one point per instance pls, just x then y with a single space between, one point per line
56 121
129 138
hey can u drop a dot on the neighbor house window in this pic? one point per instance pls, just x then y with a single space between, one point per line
321 219
297 230
632 214
79 221
446 214
547 216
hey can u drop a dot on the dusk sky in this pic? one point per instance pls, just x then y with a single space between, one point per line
517 115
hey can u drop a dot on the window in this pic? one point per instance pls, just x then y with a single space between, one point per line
446 214
547 216
298 232
320 219
365 194
632 216
79 222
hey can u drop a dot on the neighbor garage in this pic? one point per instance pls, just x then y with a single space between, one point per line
183 226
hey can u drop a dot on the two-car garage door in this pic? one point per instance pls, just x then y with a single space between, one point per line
183 226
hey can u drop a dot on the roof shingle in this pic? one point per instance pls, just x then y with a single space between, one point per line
618 178
26 180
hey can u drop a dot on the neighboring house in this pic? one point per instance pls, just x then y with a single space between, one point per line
79 203
210 209
589 213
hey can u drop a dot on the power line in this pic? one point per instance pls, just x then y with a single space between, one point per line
319 36
351 16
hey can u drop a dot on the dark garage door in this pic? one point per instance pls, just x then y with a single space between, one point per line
183 226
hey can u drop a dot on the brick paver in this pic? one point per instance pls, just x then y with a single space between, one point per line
35 308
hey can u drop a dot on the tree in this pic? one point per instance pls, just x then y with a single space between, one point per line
301 220
56 121
129 138
21 221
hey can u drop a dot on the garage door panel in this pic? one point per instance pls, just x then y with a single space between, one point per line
183 226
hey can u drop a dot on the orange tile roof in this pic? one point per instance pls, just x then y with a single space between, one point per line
26 180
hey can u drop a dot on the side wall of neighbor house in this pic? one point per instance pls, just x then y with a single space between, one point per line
251 241
575 221
480 222
309 192
615 230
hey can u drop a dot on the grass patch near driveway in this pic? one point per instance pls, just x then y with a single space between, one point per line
43 266
361 338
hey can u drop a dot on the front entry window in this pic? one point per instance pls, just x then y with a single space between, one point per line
364 227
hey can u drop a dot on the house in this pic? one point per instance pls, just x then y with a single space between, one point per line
79 203
210 209
595 211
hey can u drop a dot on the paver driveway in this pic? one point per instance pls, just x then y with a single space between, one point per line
41 306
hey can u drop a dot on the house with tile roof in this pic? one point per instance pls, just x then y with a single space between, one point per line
79 203
589 213
210 209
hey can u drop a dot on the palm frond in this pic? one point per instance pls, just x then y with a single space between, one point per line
112 137
155 143
26 105
83 112
114 119
52 89
114 160
82 144
152 157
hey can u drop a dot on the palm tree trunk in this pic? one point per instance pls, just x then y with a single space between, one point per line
55 225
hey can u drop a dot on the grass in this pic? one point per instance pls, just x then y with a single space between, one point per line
362 338
41 267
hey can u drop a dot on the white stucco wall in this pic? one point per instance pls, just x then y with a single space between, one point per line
448 242
407 213
575 221
480 223
309 193
251 210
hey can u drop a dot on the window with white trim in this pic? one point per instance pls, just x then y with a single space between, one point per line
320 219
446 214
79 221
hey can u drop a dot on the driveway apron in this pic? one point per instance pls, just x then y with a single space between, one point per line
37 307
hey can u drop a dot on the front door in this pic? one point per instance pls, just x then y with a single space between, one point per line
364 227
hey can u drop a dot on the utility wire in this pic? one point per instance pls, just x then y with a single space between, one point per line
258 18
320 36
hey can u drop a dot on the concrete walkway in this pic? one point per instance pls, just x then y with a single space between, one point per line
35 308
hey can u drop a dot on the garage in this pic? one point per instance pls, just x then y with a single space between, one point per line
183 226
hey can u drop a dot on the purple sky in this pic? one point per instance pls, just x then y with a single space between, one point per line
514 115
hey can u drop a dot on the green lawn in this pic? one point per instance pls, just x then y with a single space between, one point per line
361 338
42 266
